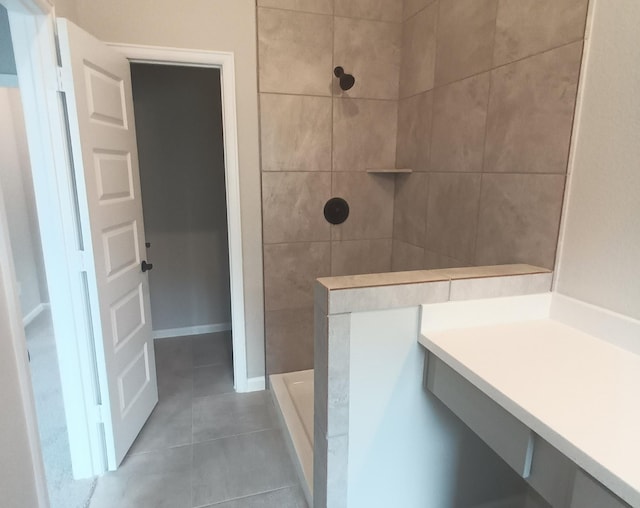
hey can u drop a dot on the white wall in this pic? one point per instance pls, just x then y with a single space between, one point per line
178 114
405 447
222 25
17 482
600 245
17 189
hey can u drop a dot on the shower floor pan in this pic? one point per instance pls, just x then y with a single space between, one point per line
293 397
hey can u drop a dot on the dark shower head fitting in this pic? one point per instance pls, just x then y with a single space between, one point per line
346 80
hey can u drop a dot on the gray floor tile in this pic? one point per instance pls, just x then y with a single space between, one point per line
173 354
175 382
212 380
150 480
169 425
291 497
240 466
212 349
232 414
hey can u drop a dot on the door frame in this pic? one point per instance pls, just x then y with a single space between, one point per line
32 24
225 62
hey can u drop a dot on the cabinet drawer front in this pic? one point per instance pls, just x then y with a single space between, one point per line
504 433
588 493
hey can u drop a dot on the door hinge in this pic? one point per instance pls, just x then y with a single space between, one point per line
63 79
60 80
81 260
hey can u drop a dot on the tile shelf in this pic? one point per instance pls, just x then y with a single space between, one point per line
389 170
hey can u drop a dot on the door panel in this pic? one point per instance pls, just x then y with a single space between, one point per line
102 133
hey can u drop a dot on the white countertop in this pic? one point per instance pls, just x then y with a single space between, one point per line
578 392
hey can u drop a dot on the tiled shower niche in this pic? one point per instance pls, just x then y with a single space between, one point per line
475 96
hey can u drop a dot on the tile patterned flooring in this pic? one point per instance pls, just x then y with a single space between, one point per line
204 445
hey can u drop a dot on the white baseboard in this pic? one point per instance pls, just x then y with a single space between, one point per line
168 333
256 384
40 308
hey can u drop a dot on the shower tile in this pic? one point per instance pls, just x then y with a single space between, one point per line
295 132
292 206
465 38
497 287
364 134
365 299
411 7
332 404
528 27
289 497
290 270
410 208
239 466
383 10
519 219
289 338
452 215
353 257
419 52
459 124
232 414
531 112
148 480
406 257
330 470
320 369
316 6
434 261
370 50
370 199
414 132
295 52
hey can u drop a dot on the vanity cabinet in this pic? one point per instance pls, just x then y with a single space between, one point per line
549 472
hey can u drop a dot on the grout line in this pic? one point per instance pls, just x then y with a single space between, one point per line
330 96
356 171
332 227
267 429
333 241
332 14
417 12
491 69
293 485
296 11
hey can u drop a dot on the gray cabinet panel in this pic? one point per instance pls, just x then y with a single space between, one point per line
505 434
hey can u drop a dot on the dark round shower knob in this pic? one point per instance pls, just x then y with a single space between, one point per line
336 211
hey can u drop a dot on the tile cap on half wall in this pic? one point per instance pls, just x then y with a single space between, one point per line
361 293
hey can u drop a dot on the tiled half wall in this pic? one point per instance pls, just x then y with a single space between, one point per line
476 96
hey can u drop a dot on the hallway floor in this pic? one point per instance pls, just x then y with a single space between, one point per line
64 491
204 445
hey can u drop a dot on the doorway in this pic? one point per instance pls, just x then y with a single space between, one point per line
16 185
179 126
55 192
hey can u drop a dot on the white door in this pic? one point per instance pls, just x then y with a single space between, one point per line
97 84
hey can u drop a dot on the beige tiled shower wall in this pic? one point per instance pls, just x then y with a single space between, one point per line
317 142
487 95
476 96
